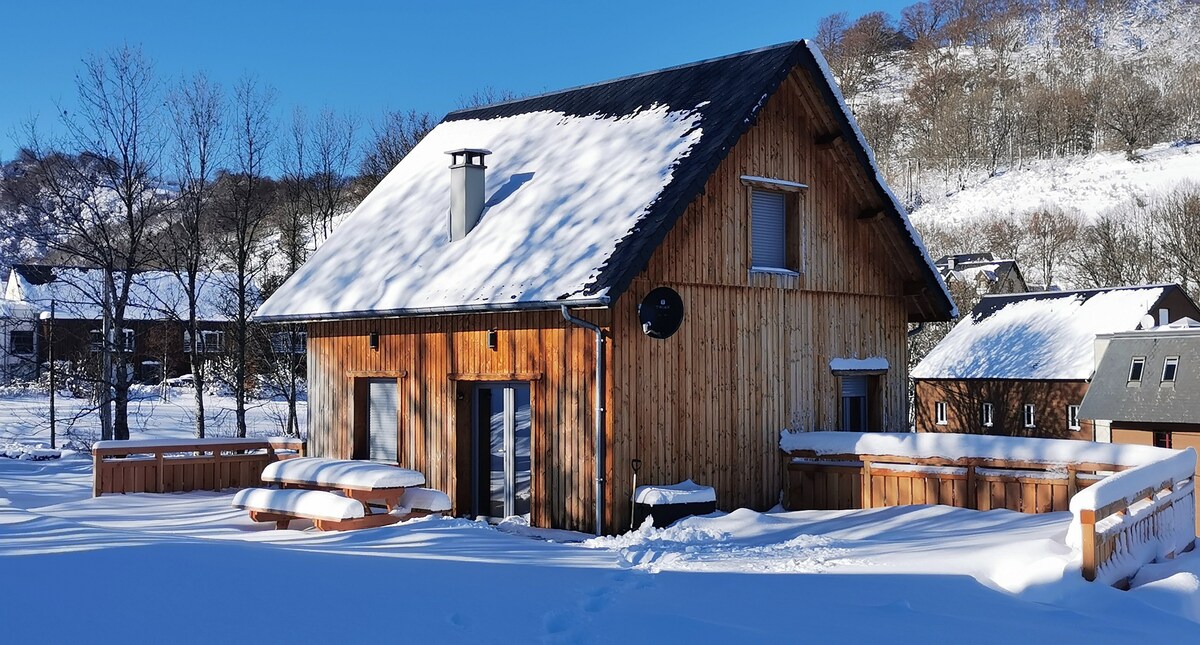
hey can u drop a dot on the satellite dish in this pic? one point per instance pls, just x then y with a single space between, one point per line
1147 321
661 312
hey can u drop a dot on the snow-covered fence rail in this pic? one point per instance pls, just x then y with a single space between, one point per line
1134 517
171 466
1146 511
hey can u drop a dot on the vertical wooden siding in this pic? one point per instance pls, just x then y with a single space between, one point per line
436 359
752 356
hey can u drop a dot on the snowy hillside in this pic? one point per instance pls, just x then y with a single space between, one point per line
1088 185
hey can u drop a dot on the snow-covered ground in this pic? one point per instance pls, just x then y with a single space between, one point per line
191 568
25 417
1089 185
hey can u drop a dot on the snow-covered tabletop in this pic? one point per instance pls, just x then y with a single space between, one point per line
685 492
341 474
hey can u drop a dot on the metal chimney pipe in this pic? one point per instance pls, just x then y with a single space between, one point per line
466 190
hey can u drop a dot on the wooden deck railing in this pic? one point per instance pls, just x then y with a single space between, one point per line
839 482
1138 508
1124 523
171 466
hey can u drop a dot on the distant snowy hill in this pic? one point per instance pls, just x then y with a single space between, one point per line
1089 185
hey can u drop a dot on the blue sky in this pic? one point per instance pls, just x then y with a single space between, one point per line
365 57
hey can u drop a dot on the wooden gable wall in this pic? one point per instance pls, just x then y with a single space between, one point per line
752 356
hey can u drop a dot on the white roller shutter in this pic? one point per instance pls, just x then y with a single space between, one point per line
383 412
768 230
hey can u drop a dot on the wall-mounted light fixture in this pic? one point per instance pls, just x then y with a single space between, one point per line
374 340
492 339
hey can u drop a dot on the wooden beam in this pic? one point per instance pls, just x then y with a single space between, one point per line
914 288
827 140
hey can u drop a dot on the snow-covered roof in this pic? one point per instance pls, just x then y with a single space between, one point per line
78 293
1046 335
582 187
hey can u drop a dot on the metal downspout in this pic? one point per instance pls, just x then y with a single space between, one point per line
600 411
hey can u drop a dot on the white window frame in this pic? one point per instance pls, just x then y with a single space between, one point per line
1073 417
209 347
1028 414
280 340
939 413
127 335
1138 362
1172 362
988 415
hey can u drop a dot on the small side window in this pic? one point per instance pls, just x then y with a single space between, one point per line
1170 367
1073 417
1162 440
987 415
1135 369
1029 420
939 410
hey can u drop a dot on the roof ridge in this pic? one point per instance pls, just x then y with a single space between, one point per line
1064 292
629 77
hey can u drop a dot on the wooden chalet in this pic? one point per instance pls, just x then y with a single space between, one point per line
503 318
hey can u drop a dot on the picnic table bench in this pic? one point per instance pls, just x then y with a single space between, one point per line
308 487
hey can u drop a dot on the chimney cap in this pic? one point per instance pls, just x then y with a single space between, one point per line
461 157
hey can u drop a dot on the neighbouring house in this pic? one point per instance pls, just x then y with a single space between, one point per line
1147 385
661 270
1020 363
18 342
982 272
153 337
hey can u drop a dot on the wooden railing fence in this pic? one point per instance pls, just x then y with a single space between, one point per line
838 482
172 466
1153 523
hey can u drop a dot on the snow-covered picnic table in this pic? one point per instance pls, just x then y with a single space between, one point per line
359 482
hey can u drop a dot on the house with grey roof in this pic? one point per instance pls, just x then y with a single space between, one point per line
1020 364
1147 385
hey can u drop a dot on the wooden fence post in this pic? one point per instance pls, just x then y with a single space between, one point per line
972 485
1087 528
97 464
866 484
159 463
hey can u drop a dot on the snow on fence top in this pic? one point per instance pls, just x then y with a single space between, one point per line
938 445
340 473
190 444
1120 486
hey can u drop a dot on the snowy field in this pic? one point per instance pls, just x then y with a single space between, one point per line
189 568
25 417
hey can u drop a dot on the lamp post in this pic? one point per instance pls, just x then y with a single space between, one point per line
48 316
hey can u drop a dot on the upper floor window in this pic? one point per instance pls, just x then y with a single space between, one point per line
939 410
211 341
1170 367
1073 417
769 232
1029 420
1136 366
1162 440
